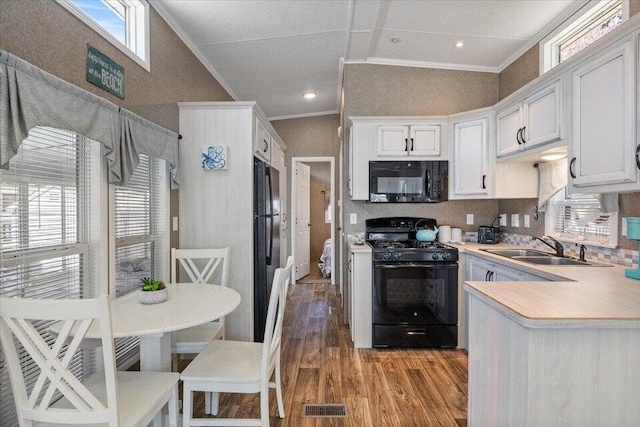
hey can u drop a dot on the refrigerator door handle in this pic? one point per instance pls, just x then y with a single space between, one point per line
270 214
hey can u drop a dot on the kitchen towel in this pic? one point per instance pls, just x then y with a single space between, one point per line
552 178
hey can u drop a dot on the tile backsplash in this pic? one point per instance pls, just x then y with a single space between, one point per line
626 257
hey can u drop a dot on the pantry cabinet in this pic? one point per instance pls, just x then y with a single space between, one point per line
603 147
534 121
360 295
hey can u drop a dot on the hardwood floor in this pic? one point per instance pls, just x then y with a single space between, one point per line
379 387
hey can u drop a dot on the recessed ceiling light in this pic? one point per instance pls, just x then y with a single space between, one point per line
460 43
310 95
395 39
550 157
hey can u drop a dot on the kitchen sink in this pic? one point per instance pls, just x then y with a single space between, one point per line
510 253
554 260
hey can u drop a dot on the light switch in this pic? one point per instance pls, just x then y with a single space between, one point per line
175 223
515 220
526 219
624 227
353 218
503 220
469 219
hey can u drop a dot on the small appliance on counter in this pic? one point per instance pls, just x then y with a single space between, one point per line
489 234
633 233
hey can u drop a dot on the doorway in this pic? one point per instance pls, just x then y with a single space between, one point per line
313 212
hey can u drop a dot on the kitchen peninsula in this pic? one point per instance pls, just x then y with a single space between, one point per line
556 352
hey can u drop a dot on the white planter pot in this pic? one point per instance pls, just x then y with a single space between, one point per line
153 297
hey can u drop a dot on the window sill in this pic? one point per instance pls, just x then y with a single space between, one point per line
586 242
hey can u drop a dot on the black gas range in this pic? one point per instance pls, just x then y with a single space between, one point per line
415 285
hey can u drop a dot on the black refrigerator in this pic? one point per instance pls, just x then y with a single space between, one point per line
266 240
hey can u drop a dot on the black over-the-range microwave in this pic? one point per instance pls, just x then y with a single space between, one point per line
422 181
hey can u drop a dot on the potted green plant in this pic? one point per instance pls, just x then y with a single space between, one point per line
152 291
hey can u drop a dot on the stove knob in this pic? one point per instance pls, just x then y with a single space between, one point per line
434 257
385 256
409 224
393 224
446 255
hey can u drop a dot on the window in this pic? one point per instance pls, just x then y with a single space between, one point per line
577 218
125 23
140 249
45 250
595 20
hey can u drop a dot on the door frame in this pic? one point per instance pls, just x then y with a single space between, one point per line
293 214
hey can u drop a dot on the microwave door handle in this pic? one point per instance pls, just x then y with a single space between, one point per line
428 184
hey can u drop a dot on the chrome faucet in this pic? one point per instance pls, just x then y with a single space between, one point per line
557 246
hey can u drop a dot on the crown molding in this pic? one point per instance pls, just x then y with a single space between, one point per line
425 64
157 5
300 116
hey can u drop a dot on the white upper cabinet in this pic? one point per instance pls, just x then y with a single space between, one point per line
603 147
403 140
534 121
277 156
262 142
471 157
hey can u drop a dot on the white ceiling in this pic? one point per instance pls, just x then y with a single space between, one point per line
275 51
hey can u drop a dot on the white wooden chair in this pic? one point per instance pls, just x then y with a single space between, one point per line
106 398
201 266
241 367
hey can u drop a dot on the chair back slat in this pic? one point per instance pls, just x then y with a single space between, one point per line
275 318
17 318
213 259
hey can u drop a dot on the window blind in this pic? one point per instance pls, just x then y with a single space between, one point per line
580 215
139 210
44 200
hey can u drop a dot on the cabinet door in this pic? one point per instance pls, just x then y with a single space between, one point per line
604 120
393 141
351 164
508 126
277 156
471 151
542 116
505 274
262 142
351 295
360 136
477 270
424 140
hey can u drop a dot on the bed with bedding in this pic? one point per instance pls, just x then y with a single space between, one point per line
325 260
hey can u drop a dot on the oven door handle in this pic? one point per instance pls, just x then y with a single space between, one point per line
416 332
395 266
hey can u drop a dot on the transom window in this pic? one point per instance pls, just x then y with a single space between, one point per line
593 21
125 23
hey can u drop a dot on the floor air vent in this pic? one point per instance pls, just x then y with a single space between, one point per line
326 410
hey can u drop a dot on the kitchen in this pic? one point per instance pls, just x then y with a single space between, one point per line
375 90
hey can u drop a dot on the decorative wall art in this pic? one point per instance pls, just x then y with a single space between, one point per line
214 157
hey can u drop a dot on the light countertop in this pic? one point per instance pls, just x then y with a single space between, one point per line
363 248
589 296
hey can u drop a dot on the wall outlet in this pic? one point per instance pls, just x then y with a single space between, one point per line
469 219
515 220
503 220
526 219
624 227
175 223
353 218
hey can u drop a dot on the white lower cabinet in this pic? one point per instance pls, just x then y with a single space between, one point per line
481 270
360 288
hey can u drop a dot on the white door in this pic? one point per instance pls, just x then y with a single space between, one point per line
424 140
303 243
393 141
542 116
508 131
603 120
471 158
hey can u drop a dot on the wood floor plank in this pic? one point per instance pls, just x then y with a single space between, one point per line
380 387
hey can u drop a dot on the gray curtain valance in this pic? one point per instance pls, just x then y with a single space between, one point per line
31 97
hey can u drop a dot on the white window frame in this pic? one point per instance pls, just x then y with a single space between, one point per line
549 46
549 221
136 28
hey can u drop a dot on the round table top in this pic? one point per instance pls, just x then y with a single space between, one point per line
188 305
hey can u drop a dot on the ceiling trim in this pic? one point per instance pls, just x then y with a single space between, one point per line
157 5
288 36
425 64
545 31
340 79
300 116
